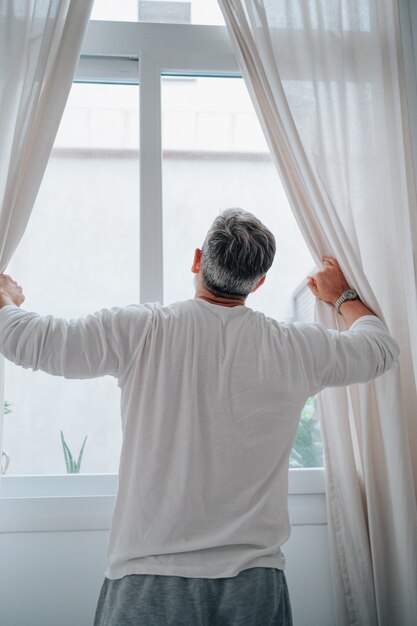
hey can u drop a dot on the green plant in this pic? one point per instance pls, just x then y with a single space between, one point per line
6 407
308 449
73 467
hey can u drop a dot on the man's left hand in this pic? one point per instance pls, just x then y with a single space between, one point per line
10 291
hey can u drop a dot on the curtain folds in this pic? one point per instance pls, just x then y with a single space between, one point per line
327 81
40 43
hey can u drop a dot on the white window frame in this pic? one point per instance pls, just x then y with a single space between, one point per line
85 502
125 52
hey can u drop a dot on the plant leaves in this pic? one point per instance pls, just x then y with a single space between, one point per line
80 456
65 449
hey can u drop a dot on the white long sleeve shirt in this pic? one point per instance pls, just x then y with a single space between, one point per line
210 402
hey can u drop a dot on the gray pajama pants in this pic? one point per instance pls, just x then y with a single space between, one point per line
255 597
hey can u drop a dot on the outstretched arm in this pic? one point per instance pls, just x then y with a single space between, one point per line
97 345
358 355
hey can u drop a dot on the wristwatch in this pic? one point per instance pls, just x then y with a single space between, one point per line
349 294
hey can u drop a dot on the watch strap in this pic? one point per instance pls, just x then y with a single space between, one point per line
349 294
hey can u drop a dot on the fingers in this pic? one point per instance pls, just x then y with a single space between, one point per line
312 285
8 280
329 260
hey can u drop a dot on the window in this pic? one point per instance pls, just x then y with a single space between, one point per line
111 230
80 254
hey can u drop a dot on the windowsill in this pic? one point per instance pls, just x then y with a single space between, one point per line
85 501
58 486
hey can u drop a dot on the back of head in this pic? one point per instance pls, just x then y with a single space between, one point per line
237 251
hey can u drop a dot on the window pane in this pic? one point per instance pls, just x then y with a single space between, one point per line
80 253
215 157
162 11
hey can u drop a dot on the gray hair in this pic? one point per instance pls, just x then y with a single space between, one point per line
237 251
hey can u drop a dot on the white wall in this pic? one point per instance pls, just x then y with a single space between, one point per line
54 578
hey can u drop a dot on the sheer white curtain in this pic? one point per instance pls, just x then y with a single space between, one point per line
327 80
40 44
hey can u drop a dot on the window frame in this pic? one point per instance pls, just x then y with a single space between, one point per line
86 501
138 53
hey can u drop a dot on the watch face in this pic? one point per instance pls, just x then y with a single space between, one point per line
351 294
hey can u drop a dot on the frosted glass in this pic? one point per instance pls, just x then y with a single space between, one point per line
80 254
160 11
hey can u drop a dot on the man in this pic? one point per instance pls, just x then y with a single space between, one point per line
211 397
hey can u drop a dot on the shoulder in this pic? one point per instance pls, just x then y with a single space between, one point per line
154 314
120 318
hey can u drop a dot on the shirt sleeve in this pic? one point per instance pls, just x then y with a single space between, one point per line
99 344
334 359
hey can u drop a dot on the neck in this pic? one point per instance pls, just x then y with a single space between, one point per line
209 297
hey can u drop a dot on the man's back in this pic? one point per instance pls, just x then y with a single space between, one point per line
210 407
217 396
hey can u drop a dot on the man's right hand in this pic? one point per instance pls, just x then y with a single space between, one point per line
329 283
10 291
